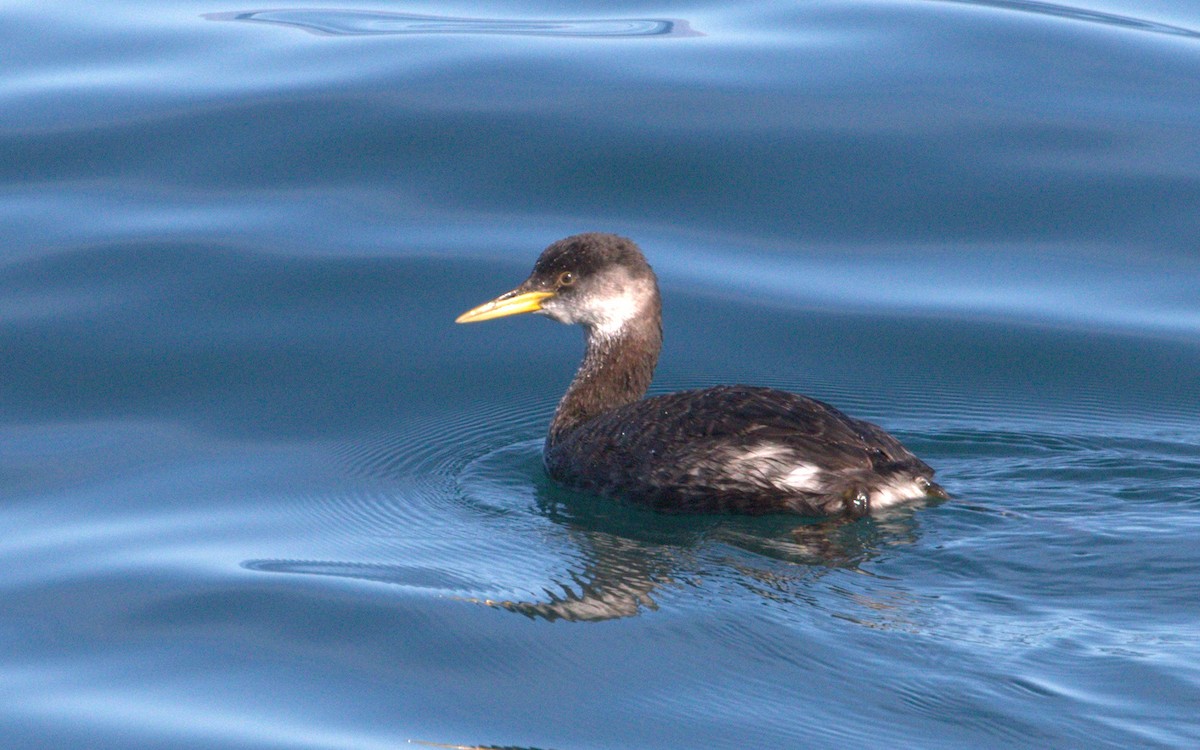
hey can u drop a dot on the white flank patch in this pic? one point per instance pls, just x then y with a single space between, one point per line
776 465
760 453
803 478
899 490
757 465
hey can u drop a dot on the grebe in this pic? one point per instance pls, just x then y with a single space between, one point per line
728 449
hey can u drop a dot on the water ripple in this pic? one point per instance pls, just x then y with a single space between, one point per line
375 23
1082 14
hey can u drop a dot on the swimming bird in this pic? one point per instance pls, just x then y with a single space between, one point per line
728 449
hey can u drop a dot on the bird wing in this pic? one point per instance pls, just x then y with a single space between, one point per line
731 416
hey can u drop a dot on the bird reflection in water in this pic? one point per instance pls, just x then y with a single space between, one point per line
621 559
630 555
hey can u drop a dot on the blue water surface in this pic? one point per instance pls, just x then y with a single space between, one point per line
259 491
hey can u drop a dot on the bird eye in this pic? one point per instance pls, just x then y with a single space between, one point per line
566 278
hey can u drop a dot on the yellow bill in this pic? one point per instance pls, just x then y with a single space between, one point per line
509 303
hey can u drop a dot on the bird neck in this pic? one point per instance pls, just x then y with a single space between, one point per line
617 369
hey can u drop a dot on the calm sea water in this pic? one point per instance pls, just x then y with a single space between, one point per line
258 491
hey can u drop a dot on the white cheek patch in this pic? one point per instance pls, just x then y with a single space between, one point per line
609 315
619 300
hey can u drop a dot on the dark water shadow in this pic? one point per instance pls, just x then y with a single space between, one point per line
328 22
1081 14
